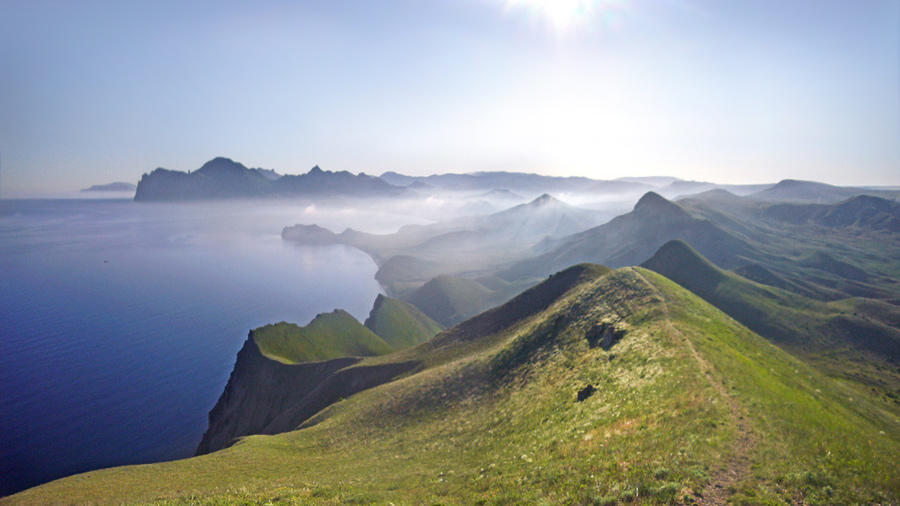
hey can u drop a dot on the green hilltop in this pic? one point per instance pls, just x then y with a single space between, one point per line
399 323
329 335
524 405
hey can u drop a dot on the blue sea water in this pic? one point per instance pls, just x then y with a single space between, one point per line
120 322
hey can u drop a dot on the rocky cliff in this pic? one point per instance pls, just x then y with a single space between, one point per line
267 397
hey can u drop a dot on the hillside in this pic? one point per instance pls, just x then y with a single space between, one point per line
859 345
682 188
400 324
517 227
862 211
403 274
593 387
823 251
542 217
633 237
462 247
791 190
329 335
450 300
523 183
285 373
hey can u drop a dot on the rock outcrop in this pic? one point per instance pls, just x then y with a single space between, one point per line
267 397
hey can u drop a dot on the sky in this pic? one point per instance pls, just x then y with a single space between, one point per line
733 91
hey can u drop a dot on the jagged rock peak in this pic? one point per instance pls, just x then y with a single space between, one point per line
316 170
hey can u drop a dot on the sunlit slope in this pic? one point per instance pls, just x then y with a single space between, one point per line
685 402
855 338
400 324
822 251
329 335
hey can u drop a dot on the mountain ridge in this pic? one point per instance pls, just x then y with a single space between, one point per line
808 328
684 405
631 238
223 178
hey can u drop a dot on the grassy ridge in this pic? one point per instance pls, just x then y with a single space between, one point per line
853 338
400 324
493 418
329 335
827 252
450 300
816 438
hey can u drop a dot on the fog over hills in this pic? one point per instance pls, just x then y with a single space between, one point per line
527 184
632 238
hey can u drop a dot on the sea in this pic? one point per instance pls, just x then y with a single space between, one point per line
120 321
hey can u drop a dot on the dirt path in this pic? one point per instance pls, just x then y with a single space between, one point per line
737 467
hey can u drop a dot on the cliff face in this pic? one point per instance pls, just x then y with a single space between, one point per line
267 397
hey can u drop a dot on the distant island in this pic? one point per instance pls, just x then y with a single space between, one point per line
111 187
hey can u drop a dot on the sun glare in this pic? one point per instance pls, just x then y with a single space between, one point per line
562 14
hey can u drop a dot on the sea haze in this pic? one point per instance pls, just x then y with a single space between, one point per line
120 321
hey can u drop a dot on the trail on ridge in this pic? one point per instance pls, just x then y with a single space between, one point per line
737 467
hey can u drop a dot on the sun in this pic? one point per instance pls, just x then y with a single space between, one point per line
562 14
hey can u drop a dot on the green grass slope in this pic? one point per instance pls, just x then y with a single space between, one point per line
400 324
826 252
687 405
449 299
858 339
329 335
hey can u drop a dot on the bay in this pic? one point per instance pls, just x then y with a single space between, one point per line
120 321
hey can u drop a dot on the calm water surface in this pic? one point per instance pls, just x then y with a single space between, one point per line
120 322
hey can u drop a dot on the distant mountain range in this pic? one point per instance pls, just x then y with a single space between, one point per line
820 193
824 251
222 178
632 238
526 183
455 269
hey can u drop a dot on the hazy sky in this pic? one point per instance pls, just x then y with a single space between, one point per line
722 90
